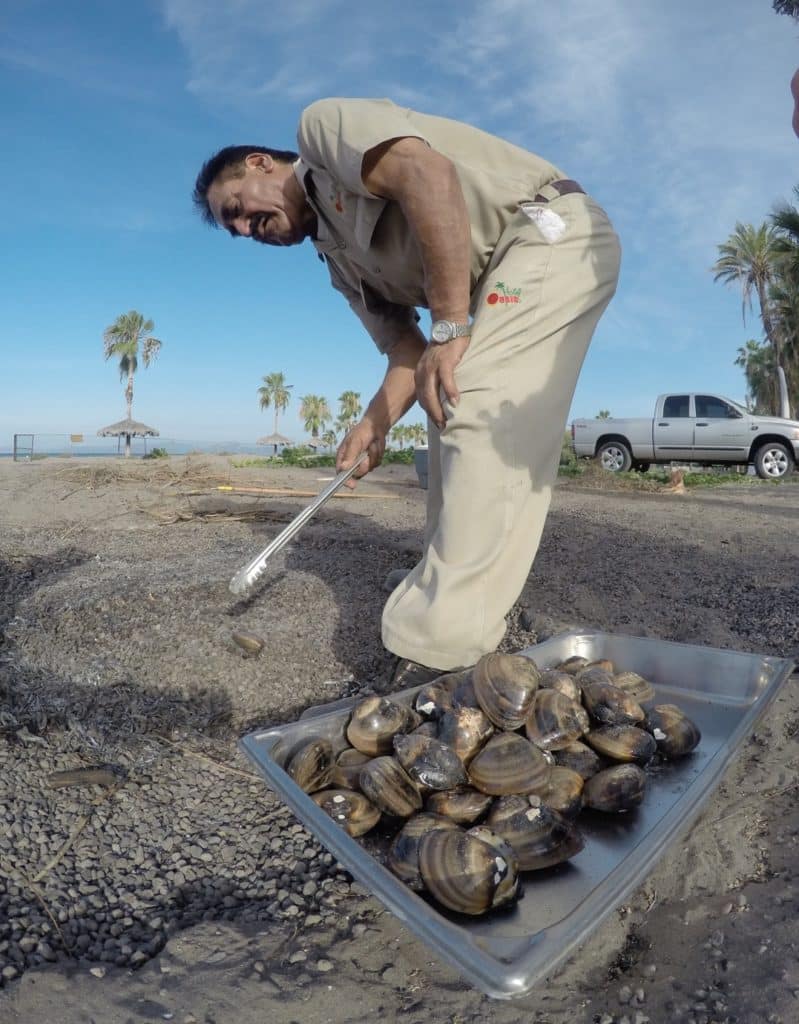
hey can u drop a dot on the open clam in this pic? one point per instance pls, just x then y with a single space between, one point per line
375 721
508 763
464 873
429 762
505 685
403 854
615 789
555 720
311 767
674 732
349 809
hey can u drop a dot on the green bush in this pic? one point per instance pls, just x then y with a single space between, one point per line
157 453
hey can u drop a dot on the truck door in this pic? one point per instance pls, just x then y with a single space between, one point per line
673 431
721 433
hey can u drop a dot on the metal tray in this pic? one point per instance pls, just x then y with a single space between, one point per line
506 952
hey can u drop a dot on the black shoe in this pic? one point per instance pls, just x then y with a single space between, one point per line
410 673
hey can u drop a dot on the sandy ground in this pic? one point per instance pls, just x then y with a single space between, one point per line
115 602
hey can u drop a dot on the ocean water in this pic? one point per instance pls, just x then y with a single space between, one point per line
60 446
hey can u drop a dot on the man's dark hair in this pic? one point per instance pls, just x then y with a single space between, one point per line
789 7
229 163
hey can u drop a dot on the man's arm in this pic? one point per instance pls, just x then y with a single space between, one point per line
426 186
394 397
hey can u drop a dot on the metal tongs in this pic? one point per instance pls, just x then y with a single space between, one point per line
247 576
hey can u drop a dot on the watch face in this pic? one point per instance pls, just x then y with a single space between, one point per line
441 331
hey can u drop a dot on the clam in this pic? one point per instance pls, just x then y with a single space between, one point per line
428 728
563 682
311 767
622 743
639 689
465 874
619 788
595 674
376 720
674 732
433 699
580 758
464 804
507 853
351 810
572 664
540 836
505 685
386 783
508 763
604 663
429 762
347 768
466 730
249 642
403 854
564 791
609 705
463 693
555 721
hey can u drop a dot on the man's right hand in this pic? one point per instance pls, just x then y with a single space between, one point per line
365 436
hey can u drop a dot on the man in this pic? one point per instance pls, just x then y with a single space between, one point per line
515 264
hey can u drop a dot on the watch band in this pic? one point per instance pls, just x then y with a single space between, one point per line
443 331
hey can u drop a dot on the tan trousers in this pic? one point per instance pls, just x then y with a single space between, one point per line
492 468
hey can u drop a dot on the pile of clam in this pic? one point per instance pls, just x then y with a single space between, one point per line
484 773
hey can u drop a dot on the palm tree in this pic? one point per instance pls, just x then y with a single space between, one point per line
275 392
350 408
603 414
757 361
329 438
122 340
417 432
748 259
315 413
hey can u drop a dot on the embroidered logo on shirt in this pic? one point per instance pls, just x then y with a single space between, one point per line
503 294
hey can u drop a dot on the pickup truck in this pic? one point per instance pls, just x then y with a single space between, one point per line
699 428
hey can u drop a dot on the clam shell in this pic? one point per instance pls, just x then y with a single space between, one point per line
580 758
428 728
433 700
609 705
555 720
615 789
403 854
508 763
505 685
463 873
572 664
347 768
351 810
622 743
564 792
639 689
249 642
429 762
563 682
463 805
375 721
674 732
311 767
539 835
508 887
466 730
386 783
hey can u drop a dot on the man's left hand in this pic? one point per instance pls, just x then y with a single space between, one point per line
435 372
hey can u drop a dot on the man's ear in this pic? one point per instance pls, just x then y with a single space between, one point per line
259 161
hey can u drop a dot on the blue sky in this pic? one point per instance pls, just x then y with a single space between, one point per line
676 117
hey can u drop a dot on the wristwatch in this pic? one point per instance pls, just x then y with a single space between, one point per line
445 330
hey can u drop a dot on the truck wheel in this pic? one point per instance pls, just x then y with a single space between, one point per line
773 461
614 456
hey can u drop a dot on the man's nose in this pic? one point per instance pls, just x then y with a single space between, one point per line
242 226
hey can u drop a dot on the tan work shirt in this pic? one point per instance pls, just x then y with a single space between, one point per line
370 251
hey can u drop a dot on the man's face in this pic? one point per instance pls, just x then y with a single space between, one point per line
266 204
